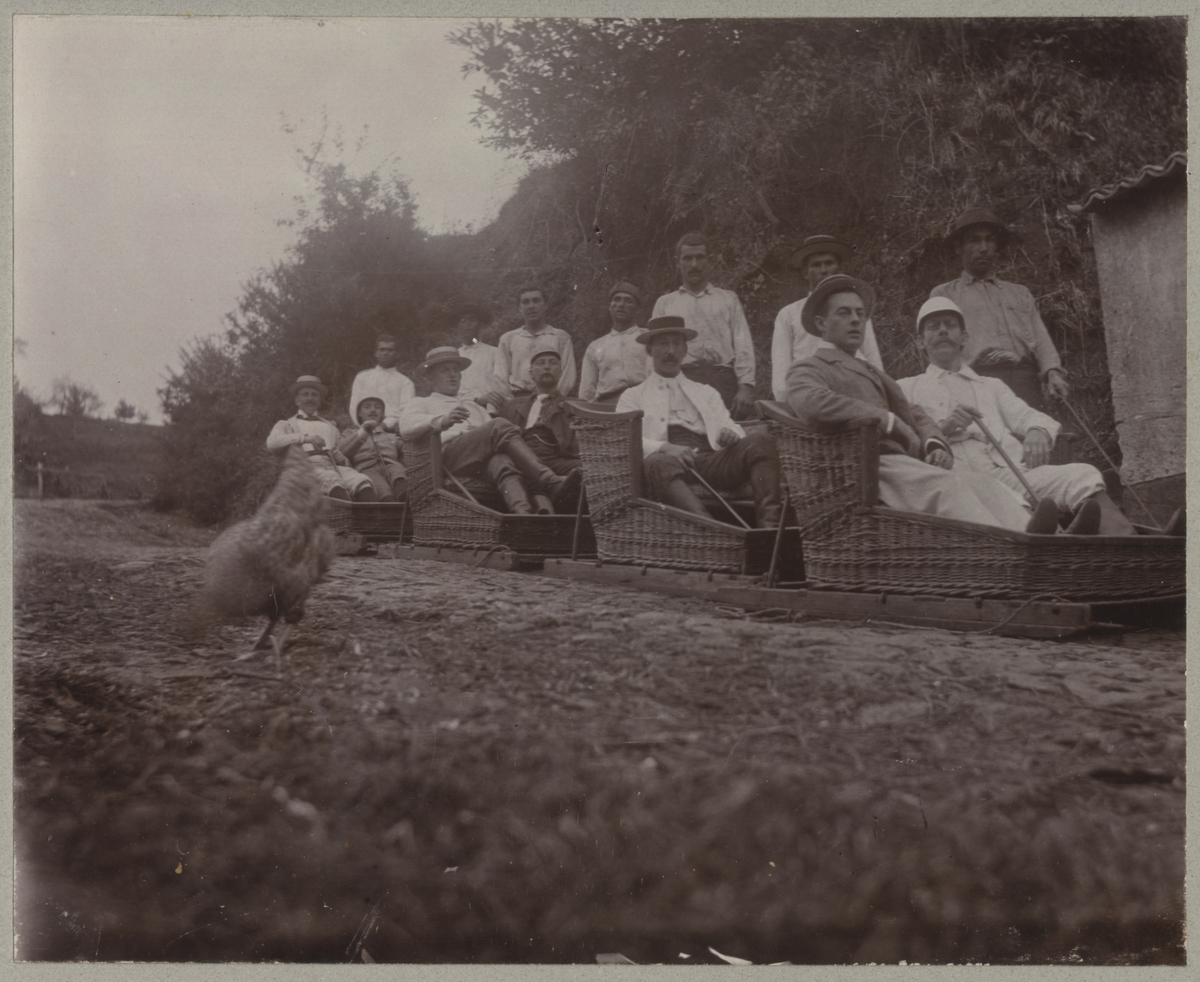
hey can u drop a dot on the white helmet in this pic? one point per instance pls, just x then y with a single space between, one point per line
935 305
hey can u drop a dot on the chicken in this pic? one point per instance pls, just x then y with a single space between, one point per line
265 566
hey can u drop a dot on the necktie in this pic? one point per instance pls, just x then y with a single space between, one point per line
535 411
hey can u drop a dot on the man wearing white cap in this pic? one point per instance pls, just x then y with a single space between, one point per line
319 436
541 415
957 398
477 445
512 376
819 257
833 388
384 381
615 361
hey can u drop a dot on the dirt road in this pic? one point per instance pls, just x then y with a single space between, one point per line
469 765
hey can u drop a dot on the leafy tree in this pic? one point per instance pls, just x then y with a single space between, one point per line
74 398
762 132
125 411
360 266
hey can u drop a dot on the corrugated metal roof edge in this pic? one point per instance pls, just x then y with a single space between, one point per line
1148 174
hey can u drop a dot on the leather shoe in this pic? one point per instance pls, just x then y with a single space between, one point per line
1086 520
1045 518
563 497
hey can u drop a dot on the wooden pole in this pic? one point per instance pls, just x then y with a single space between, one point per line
41 481
713 491
1008 460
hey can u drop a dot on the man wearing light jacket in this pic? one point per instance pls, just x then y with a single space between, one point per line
686 426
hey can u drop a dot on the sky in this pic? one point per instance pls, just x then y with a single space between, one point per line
152 169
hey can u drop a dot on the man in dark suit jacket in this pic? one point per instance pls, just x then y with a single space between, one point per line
832 388
540 415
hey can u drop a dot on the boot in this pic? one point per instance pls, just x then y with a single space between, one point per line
1086 520
678 494
1112 519
515 498
764 479
562 490
1045 518
366 493
541 504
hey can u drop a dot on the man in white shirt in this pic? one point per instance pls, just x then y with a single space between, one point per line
512 376
383 381
723 353
477 445
617 360
819 257
479 379
319 436
686 427
957 398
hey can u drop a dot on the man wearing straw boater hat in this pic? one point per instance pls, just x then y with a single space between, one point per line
541 416
687 429
833 388
819 257
992 431
616 360
477 445
319 436
1008 340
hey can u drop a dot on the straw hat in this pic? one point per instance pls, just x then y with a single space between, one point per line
443 354
309 382
815 244
658 327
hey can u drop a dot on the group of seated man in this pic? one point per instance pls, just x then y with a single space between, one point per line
952 439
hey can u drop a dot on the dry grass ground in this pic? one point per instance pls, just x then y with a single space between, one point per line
467 765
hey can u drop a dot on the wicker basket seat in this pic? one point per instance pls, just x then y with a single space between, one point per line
444 516
375 521
851 542
630 528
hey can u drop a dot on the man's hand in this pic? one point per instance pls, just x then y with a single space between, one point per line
494 399
939 458
685 454
1057 386
727 437
960 419
991 357
1037 448
906 435
339 458
456 415
316 441
743 402
368 425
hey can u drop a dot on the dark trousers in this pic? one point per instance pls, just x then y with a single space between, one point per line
726 469
480 453
550 454
720 377
1023 378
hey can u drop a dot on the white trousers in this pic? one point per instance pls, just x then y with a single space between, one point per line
341 476
912 485
1067 485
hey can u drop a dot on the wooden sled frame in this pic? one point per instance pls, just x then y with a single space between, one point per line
851 542
630 528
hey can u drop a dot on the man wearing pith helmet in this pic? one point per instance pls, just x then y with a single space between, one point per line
616 360
819 257
958 399
686 428
1008 340
833 388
